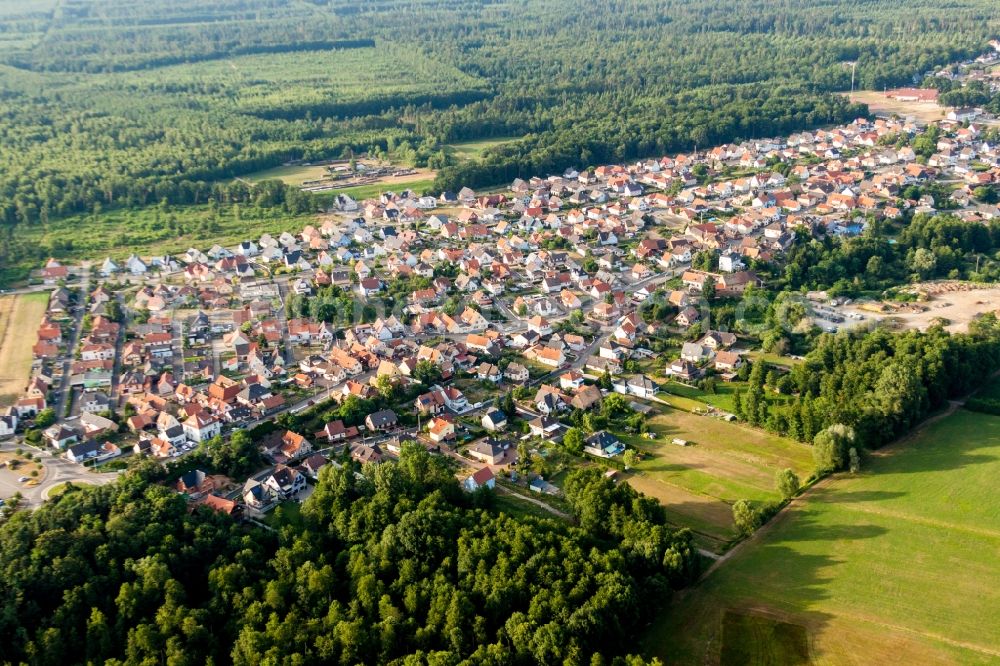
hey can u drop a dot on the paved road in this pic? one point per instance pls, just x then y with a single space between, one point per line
58 470
286 343
177 329
116 368
67 359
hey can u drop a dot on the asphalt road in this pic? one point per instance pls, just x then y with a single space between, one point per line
58 470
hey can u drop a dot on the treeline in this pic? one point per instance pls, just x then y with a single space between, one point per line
399 566
264 194
928 247
590 134
878 383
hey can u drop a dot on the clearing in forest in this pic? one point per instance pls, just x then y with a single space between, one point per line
473 150
878 103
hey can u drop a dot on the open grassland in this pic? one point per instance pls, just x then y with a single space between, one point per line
419 181
19 318
722 463
896 565
147 231
473 150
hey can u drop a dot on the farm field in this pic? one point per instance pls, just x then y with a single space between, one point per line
890 566
19 318
723 462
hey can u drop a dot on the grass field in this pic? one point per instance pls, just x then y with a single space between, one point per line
290 175
19 318
895 565
361 192
473 150
146 231
420 180
723 462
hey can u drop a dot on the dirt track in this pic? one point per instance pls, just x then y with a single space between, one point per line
958 303
878 103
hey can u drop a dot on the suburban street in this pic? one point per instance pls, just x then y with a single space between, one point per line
58 470
79 311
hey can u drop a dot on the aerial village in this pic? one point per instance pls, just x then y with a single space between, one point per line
471 323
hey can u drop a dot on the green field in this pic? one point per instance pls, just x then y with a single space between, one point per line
362 192
473 150
895 565
145 231
290 175
723 462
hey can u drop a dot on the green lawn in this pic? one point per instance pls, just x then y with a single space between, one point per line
775 359
723 462
721 399
895 565
286 513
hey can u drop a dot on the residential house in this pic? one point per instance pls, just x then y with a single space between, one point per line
257 496
313 464
544 426
441 429
494 420
484 478
285 482
201 427
385 419
603 445
488 451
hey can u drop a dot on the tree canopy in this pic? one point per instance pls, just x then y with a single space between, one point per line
396 566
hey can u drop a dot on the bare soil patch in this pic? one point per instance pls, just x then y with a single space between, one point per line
878 103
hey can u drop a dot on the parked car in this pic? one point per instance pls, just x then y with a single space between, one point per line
23 479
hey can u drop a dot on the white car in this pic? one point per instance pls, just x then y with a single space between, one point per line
23 479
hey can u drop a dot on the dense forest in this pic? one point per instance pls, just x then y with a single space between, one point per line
111 102
397 566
